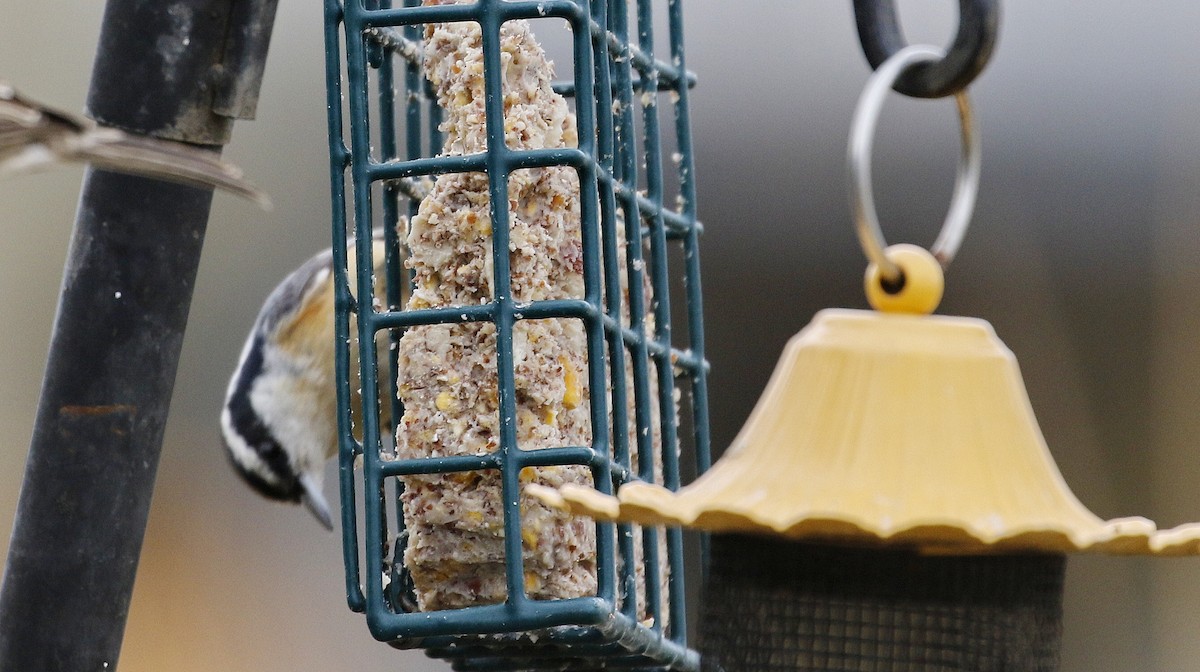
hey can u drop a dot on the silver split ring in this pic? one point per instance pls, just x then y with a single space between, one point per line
862 137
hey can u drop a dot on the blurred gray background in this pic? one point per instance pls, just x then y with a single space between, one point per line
1082 254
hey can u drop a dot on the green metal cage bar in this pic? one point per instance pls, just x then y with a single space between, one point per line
614 74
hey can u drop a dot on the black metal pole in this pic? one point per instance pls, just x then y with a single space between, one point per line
124 304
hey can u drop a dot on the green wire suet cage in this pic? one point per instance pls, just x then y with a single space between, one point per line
384 132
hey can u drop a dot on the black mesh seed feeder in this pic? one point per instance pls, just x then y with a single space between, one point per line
890 504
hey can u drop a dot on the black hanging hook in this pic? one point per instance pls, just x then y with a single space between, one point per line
879 32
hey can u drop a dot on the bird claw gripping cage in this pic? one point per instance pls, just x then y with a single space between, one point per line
388 131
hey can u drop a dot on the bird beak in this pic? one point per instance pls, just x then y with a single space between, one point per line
315 501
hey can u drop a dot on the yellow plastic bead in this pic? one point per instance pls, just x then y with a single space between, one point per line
922 287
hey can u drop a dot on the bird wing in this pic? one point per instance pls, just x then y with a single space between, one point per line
169 160
34 136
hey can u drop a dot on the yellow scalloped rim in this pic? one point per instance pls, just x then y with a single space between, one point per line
896 429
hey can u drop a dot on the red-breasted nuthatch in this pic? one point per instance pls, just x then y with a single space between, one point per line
34 136
280 416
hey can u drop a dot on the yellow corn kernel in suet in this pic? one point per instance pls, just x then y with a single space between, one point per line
532 582
574 392
529 537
